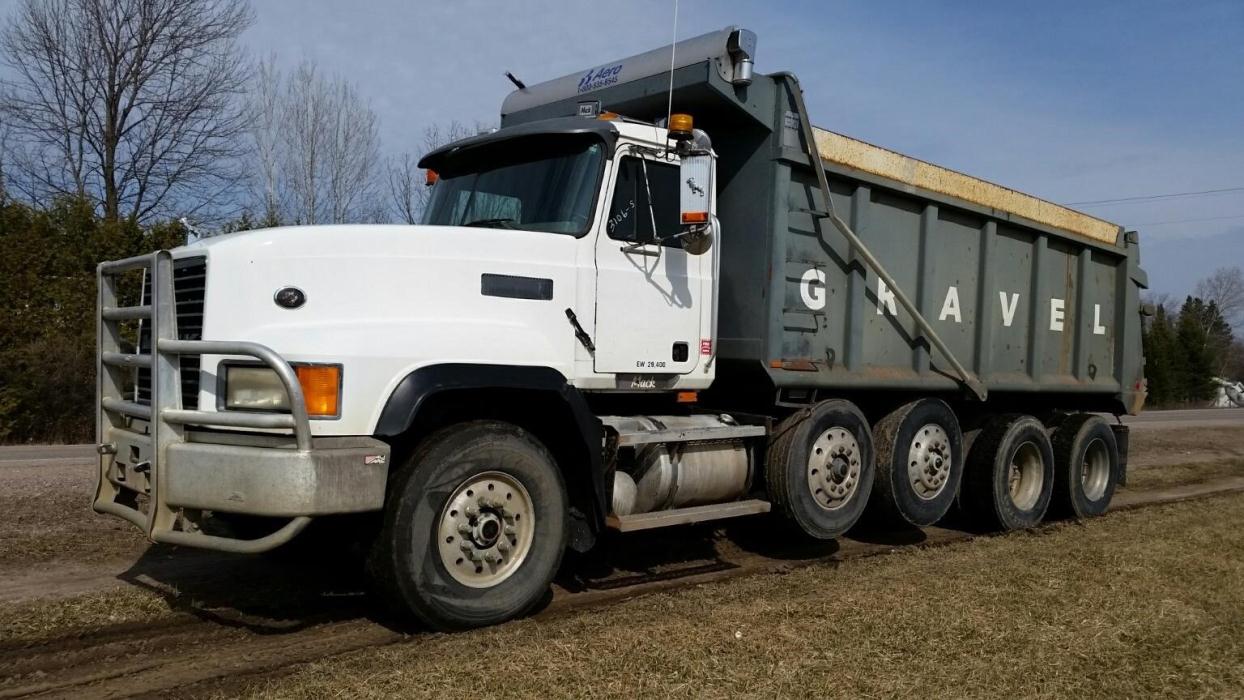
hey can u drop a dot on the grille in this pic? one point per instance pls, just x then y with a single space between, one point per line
189 289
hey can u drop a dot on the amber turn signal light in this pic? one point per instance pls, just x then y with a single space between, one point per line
432 177
695 217
321 389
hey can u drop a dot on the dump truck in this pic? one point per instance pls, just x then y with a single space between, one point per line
656 295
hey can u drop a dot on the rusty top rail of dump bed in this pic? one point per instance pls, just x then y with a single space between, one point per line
865 157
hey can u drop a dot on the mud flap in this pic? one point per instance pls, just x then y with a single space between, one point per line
1120 439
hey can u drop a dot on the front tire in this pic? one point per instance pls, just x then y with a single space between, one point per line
474 528
819 470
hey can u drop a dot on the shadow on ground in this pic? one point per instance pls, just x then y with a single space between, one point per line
319 579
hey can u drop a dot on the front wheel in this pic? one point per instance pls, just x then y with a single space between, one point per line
474 528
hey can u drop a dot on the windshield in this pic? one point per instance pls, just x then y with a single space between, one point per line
545 183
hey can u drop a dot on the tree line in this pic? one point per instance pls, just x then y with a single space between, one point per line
1187 346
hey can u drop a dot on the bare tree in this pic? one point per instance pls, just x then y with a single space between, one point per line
265 130
408 193
133 104
316 149
1225 287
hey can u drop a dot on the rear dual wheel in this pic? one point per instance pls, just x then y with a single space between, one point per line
1009 479
919 462
819 469
1086 459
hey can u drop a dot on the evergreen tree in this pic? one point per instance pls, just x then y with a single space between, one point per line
1217 332
1161 359
47 312
1196 334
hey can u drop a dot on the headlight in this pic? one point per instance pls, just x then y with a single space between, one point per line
254 388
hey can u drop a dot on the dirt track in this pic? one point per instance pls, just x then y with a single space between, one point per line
85 602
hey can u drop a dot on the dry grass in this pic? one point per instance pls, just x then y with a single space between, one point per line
54 618
1157 448
1175 474
47 516
1138 603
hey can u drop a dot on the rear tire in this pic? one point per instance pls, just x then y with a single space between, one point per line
1086 466
1010 473
474 528
919 462
819 469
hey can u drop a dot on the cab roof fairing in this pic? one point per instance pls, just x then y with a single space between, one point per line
605 130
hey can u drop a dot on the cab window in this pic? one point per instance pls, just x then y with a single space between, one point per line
630 218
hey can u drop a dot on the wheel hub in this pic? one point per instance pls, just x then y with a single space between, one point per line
929 459
1095 472
1025 476
834 468
486 529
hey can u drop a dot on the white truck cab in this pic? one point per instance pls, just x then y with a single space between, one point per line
538 249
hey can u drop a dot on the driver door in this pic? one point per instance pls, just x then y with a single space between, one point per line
648 293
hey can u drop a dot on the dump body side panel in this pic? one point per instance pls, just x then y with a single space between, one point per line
1025 306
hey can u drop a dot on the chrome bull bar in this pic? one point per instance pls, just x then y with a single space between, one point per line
117 419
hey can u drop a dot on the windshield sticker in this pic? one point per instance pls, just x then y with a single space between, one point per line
599 77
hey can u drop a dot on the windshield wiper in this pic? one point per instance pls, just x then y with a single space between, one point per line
503 222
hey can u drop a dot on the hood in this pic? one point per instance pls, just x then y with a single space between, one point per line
370 239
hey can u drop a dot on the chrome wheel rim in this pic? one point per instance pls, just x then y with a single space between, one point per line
928 461
1095 472
1026 476
486 529
834 468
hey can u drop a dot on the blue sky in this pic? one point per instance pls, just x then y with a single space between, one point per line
1071 101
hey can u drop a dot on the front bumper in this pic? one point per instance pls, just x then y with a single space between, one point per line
253 474
338 475
162 466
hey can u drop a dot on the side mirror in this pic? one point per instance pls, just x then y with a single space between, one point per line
695 199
